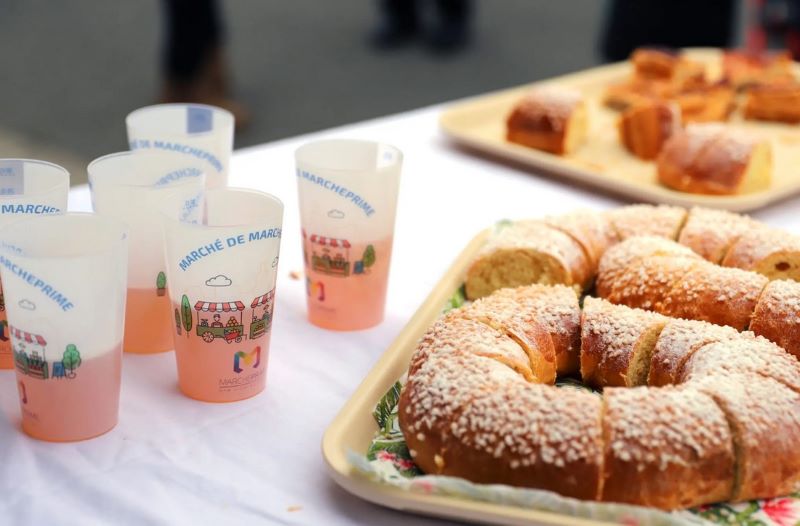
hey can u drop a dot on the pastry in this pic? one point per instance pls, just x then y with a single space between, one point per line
549 119
768 251
711 233
777 315
745 69
648 220
643 128
780 103
710 103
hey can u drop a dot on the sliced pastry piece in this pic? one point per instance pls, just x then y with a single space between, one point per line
678 341
764 417
507 316
744 69
780 103
533 436
551 119
527 252
724 296
768 251
619 258
667 64
557 309
436 393
711 233
777 315
648 220
669 448
754 357
616 343
706 103
646 283
643 128
593 231
714 159
636 90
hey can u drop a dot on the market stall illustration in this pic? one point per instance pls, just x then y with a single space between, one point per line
210 325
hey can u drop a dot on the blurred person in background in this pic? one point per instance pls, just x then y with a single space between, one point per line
402 21
666 23
774 24
194 65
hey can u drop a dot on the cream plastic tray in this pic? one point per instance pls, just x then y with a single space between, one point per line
479 123
354 426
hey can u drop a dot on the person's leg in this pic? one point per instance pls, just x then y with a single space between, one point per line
398 23
451 30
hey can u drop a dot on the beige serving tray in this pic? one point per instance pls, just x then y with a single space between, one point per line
602 162
354 426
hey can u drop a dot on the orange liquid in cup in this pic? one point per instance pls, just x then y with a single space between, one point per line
346 287
223 363
69 405
149 321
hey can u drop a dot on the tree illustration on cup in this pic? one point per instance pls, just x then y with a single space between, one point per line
186 314
71 360
161 284
177 321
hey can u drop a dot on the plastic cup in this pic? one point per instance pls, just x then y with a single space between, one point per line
195 131
348 202
66 275
222 273
27 187
130 188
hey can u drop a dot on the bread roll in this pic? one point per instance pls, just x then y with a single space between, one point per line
746 69
619 258
764 417
504 315
777 315
676 343
527 252
768 251
645 127
711 233
529 435
779 103
454 334
437 392
648 220
550 119
756 356
616 343
724 296
556 308
714 159
646 283
593 231
668 448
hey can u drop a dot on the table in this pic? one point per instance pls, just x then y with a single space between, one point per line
172 460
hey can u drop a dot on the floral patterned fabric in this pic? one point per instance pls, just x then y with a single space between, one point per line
388 461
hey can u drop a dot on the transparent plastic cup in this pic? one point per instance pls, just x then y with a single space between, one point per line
195 131
348 202
222 272
66 275
130 188
27 188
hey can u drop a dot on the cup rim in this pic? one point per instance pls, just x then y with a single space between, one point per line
230 120
131 153
122 228
309 144
231 189
54 186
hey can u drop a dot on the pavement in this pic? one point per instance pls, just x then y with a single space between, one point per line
72 71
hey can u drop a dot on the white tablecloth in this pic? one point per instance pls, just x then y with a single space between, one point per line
172 460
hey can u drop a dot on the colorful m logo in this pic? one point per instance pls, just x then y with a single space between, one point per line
246 358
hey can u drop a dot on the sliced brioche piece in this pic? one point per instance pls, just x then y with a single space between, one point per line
616 343
668 448
454 333
764 417
648 220
617 259
777 315
676 343
646 283
527 252
529 435
593 231
643 128
437 391
755 356
557 309
507 316
551 119
711 233
780 103
724 296
771 252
